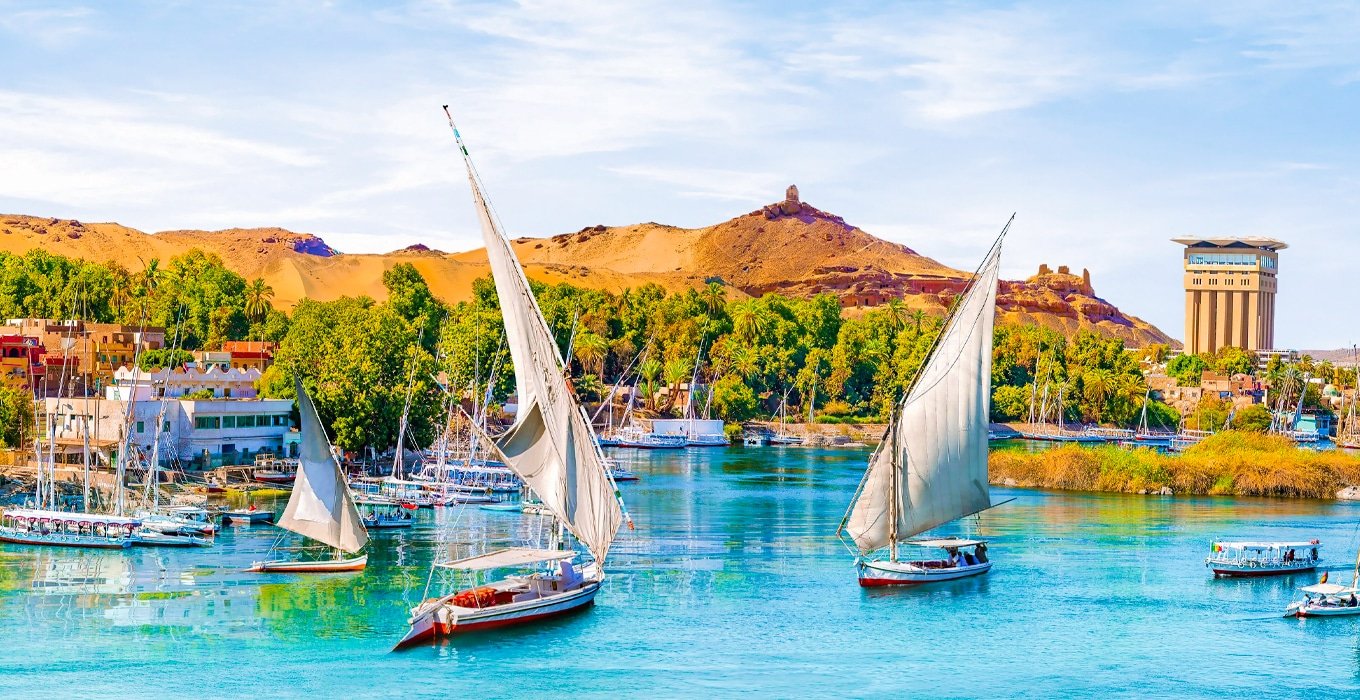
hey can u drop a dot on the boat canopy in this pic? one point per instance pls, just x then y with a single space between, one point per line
944 543
505 558
32 514
1267 545
1327 589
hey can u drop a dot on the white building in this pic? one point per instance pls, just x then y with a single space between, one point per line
231 383
199 433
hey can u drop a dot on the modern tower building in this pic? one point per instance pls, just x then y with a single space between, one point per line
1230 292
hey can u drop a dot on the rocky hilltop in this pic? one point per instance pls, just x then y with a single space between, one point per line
788 247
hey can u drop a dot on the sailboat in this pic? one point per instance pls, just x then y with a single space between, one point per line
552 447
931 466
320 507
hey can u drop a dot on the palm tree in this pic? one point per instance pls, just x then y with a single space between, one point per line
591 348
746 361
918 317
715 298
675 373
151 276
649 370
748 321
258 296
897 314
1097 384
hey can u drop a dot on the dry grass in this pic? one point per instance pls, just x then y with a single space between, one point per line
1230 463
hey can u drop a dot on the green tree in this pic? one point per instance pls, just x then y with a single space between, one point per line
258 298
16 416
1254 419
164 358
733 400
1187 369
591 350
1230 360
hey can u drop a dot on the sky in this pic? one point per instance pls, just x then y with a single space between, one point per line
1108 128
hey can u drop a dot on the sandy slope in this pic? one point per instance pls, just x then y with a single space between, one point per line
787 247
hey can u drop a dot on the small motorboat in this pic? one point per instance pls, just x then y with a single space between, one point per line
509 601
317 566
504 507
1325 600
1263 558
247 516
963 558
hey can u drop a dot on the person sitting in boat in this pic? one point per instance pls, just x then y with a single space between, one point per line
1315 554
953 557
981 552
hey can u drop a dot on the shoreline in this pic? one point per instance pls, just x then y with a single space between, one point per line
1227 464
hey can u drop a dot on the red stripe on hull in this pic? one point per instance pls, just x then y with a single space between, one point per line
444 631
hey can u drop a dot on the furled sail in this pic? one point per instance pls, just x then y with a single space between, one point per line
931 467
551 445
320 506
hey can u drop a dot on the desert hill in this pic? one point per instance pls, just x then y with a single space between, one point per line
788 247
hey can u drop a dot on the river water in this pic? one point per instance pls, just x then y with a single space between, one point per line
732 583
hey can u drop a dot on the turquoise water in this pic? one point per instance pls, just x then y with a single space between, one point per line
733 583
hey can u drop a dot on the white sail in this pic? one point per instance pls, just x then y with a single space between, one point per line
934 457
320 506
551 445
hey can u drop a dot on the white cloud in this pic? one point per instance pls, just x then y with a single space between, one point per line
50 27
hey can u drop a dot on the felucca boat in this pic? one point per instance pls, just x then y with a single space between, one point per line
931 466
552 447
320 507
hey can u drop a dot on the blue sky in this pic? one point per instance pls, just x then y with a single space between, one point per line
1109 128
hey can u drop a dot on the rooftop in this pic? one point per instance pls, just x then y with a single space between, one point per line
1233 242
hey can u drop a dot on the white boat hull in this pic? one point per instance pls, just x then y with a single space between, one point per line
1255 569
873 574
310 567
442 618
1325 611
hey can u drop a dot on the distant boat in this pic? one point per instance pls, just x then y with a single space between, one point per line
320 507
931 466
61 529
247 516
382 514
1255 559
552 447
1324 599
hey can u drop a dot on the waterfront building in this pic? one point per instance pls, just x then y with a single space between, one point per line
197 433
90 352
139 384
1230 289
21 362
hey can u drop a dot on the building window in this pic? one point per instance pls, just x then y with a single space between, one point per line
207 423
141 427
228 421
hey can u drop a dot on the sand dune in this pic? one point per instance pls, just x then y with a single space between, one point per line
788 247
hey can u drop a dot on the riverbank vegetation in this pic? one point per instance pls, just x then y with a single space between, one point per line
1231 463
356 354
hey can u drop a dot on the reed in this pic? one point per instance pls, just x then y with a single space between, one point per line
1229 463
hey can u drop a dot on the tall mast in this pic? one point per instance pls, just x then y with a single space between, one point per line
397 462
894 493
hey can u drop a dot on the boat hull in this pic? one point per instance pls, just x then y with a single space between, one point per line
1246 570
64 540
257 517
1326 611
310 567
442 619
875 574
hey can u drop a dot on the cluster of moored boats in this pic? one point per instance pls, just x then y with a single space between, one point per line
1259 559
